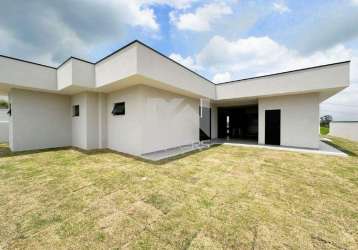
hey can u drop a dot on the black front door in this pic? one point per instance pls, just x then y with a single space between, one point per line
273 127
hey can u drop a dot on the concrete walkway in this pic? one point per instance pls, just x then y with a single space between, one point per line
324 148
172 152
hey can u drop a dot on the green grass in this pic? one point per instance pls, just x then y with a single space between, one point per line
324 130
222 198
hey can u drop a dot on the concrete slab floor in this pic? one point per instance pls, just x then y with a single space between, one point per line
324 148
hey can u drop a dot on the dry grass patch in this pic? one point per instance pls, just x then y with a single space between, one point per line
222 198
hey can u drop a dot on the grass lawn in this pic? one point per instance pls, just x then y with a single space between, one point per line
222 198
324 130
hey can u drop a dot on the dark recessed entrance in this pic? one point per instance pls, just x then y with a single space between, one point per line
273 127
238 122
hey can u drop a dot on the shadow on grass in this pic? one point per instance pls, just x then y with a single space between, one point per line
340 148
6 152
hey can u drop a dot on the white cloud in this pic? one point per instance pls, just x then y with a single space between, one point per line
51 31
281 7
354 2
187 61
203 17
135 13
177 4
222 77
260 55
343 106
255 56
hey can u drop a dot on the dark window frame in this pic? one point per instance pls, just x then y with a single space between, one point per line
76 110
119 108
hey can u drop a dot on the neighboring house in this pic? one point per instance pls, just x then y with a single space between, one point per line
344 129
138 101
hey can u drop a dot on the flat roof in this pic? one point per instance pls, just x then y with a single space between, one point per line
286 72
156 51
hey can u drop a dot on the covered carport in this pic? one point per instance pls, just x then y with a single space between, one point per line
238 122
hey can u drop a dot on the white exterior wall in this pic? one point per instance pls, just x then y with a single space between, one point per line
299 119
168 120
159 68
21 74
92 121
309 80
214 122
85 128
154 120
4 131
347 130
83 74
39 120
102 120
64 75
124 132
79 123
120 65
76 73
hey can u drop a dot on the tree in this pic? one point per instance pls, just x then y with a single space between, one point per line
4 104
325 120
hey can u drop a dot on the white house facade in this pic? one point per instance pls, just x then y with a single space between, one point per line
138 101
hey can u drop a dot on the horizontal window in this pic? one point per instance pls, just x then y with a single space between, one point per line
119 108
75 110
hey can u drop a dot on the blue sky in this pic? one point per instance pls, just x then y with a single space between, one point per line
222 40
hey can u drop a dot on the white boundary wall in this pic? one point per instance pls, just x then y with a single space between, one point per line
344 129
4 125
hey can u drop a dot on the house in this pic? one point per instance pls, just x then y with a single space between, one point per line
138 101
344 129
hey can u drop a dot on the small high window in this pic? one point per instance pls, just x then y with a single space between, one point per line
75 110
119 108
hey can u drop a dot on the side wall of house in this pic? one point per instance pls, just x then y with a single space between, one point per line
214 122
154 120
102 120
79 123
168 120
86 127
348 130
39 120
124 132
92 121
299 119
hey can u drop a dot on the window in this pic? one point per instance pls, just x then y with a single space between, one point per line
119 108
75 110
